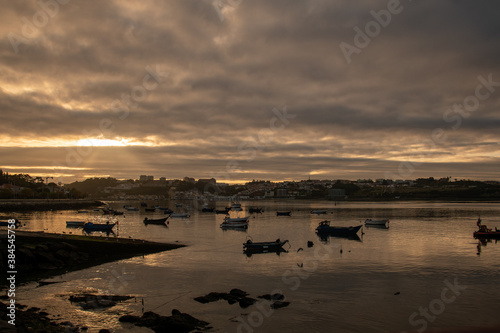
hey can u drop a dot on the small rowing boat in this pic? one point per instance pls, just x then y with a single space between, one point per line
319 211
250 247
90 226
325 228
376 222
155 221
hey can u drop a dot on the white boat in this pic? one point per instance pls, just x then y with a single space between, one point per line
181 215
319 211
376 222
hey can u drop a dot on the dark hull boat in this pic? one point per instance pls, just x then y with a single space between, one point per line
264 247
155 221
325 228
150 209
89 226
283 213
484 232
490 234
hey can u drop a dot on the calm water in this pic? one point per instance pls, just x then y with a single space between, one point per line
428 246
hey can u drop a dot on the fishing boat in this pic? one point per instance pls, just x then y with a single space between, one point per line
319 211
236 225
256 210
376 222
90 226
207 210
485 233
325 228
263 247
75 223
155 221
179 215
283 213
150 209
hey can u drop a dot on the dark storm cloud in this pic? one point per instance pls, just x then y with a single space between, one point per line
229 68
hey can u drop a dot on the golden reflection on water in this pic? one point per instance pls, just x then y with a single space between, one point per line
327 284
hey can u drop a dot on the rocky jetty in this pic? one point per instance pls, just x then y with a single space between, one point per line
40 255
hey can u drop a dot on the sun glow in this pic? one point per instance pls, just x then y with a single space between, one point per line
102 143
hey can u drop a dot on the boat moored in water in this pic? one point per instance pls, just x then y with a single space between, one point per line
251 247
75 223
376 222
325 228
155 221
485 233
90 226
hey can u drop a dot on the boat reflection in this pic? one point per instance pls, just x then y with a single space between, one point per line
483 242
377 226
242 229
99 232
325 237
251 252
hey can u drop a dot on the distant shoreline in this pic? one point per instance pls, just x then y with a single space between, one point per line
10 205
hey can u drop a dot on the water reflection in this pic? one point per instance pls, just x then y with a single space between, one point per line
483 242
325 237
427 243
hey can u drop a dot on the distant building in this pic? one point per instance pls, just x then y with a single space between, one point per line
163 179
143 178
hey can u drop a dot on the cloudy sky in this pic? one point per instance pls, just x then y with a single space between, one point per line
250 89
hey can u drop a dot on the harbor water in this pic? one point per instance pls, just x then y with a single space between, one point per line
425 271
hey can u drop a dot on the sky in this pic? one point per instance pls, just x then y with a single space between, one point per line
240 90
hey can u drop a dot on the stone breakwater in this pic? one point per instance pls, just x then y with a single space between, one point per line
13 205
40 255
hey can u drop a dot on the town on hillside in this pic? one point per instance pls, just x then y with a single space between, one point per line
146 187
